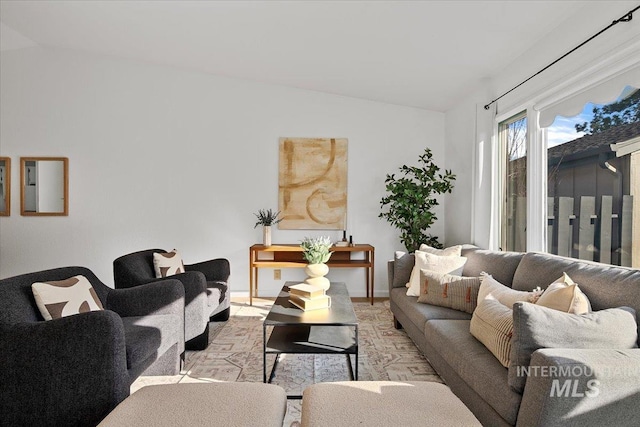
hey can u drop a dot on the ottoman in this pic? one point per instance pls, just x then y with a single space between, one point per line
383 403
223 404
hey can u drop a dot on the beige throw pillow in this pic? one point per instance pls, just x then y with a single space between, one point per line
439 264
492 325
61 298
167 264
446 290
565 295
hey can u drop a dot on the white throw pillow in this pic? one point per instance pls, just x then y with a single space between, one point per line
450 251
167 264
439 264
491 288
61 298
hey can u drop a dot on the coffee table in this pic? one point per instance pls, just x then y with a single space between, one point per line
332 330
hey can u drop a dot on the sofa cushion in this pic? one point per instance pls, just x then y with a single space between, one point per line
402 268
447 290
536 327
148 335
501 265
437 263
606 286
216 293
565 295
420 313
60 298
475 365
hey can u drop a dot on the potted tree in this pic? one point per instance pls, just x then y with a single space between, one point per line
267 218
409 205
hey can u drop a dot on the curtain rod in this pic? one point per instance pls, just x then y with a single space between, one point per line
625 18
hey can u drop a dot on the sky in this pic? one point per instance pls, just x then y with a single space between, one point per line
563 128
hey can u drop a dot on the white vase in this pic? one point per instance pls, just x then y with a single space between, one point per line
316 273
266 235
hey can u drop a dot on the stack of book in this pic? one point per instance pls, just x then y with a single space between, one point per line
308 297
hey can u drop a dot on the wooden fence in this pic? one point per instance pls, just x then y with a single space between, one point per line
601 236
595 229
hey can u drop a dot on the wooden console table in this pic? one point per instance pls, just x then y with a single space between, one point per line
290 256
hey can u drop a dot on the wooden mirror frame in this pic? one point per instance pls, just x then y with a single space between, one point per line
7 189
65 162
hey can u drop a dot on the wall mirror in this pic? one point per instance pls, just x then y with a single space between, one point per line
44 185
5 186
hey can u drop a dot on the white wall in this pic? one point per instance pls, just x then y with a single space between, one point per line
164 157
469 127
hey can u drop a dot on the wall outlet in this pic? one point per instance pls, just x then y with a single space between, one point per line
277 274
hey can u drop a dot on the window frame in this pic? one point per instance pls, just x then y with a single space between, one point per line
537 216
536 233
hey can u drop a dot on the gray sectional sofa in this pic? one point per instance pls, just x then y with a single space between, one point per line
481 382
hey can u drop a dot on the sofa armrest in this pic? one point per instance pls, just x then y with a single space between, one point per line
586 387
215 270
69 371
161 297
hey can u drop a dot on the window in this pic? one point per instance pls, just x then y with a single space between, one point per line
513 148
592 178
574 191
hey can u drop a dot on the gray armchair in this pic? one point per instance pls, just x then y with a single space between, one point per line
205 288
73 371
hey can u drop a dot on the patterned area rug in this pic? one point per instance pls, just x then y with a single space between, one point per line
235 354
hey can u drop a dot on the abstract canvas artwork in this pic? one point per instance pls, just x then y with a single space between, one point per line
312 192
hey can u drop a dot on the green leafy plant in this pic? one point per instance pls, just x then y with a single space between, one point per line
316 249
267 217
411 200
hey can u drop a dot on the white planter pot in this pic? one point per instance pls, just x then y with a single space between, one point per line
266 235
316 273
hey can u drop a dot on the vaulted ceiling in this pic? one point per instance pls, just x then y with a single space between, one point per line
426 54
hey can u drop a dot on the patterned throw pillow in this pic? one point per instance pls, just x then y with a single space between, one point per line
565 295
167 264
492 320
492 325
446 290
63 298
439 264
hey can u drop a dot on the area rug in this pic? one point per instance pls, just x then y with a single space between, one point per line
235 354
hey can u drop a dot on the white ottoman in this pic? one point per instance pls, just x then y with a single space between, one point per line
383 403
210 404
